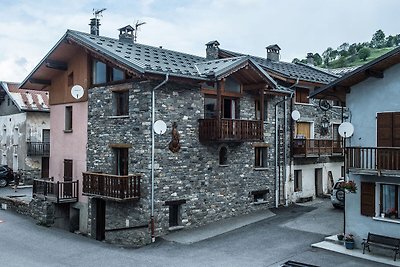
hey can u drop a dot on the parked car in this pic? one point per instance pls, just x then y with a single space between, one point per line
6 175
337 196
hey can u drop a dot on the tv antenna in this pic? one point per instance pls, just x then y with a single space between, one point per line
95 22
137 25
98 12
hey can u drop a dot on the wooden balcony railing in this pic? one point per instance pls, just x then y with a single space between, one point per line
316 147
58 192
38 148
230 130
373 158
111 186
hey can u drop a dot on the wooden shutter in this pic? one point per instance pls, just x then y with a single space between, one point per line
396 129
67 170
302 95
368 199
303 129
384 128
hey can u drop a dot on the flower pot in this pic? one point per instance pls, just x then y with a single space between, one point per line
349 244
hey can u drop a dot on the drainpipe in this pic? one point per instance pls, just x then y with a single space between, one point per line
153 107
277 174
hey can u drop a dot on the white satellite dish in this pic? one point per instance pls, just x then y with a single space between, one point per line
346 129
160 127
295 115
77 91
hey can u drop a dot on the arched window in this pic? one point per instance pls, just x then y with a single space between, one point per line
223 155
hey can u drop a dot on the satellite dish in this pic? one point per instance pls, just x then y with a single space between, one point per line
77 91
295 115
346 129
160 127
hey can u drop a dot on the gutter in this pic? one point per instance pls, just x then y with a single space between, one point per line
153 106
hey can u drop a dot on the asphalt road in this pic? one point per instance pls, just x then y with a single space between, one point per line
286 236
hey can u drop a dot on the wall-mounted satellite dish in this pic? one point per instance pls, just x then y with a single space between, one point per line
77 91
346 129
295 115
160 127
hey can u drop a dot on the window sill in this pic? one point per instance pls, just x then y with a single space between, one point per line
223 165
67 131
175 228
119 117
386 220
261 168
260 202
305 104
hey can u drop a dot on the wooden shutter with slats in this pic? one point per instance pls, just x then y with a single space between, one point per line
368 199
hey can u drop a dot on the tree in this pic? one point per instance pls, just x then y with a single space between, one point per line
326 55
317 59
364 53
390 41
378 39
295 60
352 49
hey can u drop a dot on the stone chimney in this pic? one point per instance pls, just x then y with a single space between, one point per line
273 52
310 59
94 26
212 50
126 34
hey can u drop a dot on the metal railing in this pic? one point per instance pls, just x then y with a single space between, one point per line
111 186
38 148
230 130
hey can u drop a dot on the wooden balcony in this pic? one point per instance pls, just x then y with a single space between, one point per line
230 130
110 186
38 149
316 147
58 192
373 159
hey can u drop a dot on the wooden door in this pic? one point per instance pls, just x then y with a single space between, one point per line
318 182
100 219
45 167
67 188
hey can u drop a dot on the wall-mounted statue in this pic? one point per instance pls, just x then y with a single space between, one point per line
174 145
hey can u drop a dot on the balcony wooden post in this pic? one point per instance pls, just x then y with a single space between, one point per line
219 107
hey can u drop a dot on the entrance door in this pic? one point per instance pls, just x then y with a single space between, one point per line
67 178
45 167
230 109
100 219
319 191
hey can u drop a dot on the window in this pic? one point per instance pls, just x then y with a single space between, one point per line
210 107
230 109
257 105
121 103
261 157
68 119
70 79
260 195
298 177
223 155
389 198
121 161
302 95
104 74
368 199
16 135
175 207
231 85
303 130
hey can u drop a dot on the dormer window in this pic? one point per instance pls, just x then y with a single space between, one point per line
103 73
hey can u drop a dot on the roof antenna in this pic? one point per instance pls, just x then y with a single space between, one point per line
95 22
137 25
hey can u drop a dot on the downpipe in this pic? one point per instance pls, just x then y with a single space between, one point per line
153 106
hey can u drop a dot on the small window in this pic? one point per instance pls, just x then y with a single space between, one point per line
121 103
99 72
68 119
71 79
210 107
389 195
232 86
257 105
302 95
121 157
117 75
261 157
266 104
175 210
223 156
298 177
260 195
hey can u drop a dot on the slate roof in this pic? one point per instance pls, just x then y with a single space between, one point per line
290 70
26 100
142 58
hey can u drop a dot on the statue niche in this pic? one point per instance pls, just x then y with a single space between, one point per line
174 145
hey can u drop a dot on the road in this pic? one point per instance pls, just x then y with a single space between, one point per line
286 236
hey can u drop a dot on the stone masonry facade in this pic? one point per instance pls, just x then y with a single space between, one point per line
208 191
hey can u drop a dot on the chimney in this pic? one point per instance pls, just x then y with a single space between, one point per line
212 50
273 52
94 26
310 58
126 34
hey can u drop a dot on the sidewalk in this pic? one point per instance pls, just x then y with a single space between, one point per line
332 244
194 235
24 193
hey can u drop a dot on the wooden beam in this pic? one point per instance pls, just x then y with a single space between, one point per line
57 65
254 86
40 81
374 73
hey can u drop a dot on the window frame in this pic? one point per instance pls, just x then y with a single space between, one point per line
396 199
120 103
68 119
108 75
261 157
298 180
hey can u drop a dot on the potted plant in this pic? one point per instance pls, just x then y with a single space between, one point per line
349 241
391 213
349 186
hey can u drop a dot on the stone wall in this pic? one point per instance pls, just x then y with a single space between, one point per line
193 175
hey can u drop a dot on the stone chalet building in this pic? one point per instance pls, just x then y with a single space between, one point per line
217 158
25 130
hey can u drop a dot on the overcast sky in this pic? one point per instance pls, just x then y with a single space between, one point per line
29 29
